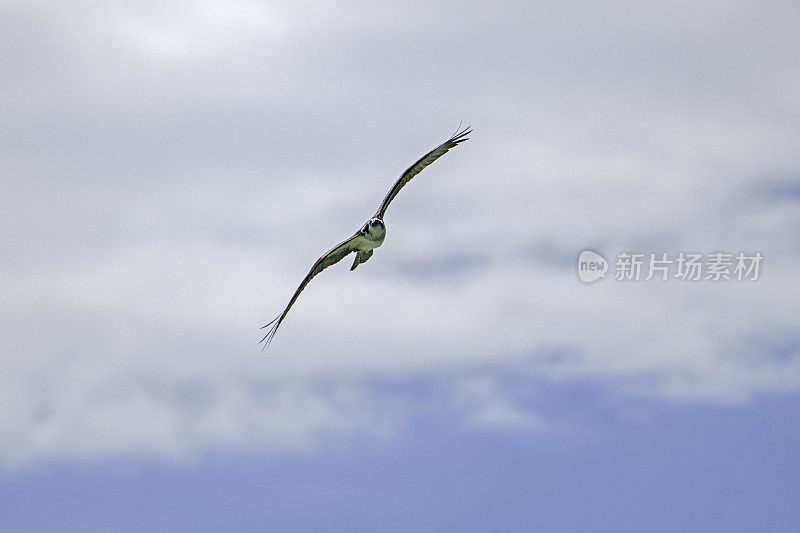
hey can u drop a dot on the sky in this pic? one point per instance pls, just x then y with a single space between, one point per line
171 171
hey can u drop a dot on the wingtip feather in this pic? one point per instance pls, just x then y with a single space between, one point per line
460 135
270 333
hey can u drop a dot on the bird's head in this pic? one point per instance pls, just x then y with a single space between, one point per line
375 226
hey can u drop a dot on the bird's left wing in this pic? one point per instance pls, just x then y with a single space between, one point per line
424 161
333 256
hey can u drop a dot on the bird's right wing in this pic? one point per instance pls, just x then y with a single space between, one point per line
424 161
333 256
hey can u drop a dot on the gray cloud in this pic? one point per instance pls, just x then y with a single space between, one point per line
170 174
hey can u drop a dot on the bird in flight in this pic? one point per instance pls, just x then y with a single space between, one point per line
371 235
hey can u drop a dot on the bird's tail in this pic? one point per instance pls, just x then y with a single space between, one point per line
361 257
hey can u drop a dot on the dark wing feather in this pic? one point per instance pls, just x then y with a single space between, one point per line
333 256
424 161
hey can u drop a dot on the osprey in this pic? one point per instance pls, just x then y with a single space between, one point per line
371 235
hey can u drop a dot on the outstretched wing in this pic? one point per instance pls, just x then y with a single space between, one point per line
416 168
333 256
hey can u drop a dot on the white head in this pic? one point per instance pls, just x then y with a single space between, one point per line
376 228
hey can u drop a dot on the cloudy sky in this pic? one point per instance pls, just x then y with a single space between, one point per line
171 170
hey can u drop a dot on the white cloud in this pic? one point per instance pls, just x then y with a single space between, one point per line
487 405
160 211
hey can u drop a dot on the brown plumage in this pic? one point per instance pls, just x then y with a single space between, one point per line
371 235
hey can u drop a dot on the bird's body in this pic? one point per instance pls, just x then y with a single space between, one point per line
372 234
367 239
